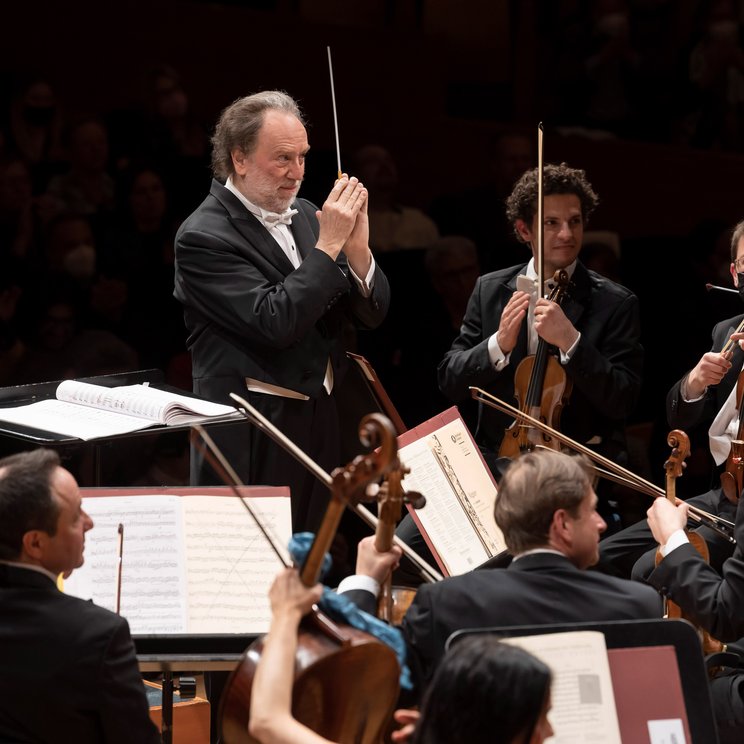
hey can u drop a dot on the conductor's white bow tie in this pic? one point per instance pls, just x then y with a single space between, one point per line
271 219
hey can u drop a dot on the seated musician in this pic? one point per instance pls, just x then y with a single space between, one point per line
712 600
547 511
70 670
509 705
704 397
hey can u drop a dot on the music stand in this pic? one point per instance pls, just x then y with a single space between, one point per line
626 641
186 654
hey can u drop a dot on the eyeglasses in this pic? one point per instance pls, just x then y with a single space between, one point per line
739 264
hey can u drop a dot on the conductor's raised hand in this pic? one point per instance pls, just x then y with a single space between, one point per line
338 216
356 247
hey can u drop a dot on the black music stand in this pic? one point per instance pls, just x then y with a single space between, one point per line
186 655
637 635
19 395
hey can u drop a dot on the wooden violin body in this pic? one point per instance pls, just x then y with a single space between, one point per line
542 389
680 443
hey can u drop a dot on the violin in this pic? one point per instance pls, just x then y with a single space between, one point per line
346 680
732 479
541 388
674 466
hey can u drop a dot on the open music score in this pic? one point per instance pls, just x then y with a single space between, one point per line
447 467
194 562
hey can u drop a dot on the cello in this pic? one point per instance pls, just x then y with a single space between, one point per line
346 681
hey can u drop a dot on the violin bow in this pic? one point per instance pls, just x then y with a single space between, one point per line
206 445
540 214
428 573
613 471
119 556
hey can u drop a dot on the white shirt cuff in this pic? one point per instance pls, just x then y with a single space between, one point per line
565 357
359 581
497 357
365 285
685 395
677 538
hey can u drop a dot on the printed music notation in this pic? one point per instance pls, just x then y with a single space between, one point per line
191 564
446 466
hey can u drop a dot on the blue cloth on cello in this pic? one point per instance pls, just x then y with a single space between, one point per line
341 609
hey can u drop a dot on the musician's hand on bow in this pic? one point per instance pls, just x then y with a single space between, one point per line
407 718
290 598
339 214
371 562
665 518
553 326
512 315
710 370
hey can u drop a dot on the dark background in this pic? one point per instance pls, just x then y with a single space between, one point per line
434 82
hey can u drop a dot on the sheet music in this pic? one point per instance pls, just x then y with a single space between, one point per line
191 564
73 420
230 566
583 700
458 517
153 586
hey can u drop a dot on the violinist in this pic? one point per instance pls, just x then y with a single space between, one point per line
706 396
547 510
712 600
594 334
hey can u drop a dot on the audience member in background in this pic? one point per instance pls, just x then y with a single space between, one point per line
33 128
137 248
165 130
22 215
476 211
392 226
87 188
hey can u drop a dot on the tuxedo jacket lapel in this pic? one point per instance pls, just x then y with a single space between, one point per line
252 230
